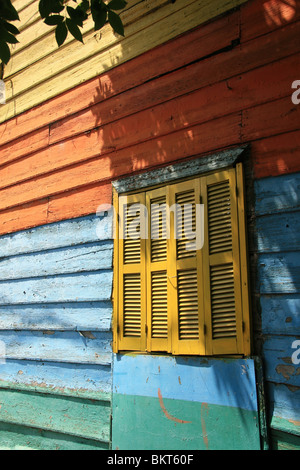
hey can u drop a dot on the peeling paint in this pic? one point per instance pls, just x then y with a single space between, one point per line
285 370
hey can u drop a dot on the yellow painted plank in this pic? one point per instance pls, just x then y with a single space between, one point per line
36 55
61 72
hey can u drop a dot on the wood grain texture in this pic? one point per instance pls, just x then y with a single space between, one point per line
56 372
163 24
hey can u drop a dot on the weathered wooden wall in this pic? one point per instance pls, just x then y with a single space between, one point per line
220 85
39 70
55 322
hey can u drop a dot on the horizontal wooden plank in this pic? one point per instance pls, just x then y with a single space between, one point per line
24 145
28 215
71 204
278 232
277 155
170 56
38 41
57 378
269 119
71 416
76 259
69 233
279 368
56 346
161 28
278 273
259 18
280 314
178 145
198 107
271 78
77 316
285 401
19 438
87 287
277 195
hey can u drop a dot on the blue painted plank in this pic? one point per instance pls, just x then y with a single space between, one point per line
62 234
73 347
278 354
53 377
81 258
93 316
278 232
279 273
215 381
280 314
277 194
87 287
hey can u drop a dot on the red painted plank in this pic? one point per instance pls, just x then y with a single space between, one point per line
261 17
79 202
269 119
277 155
185 143
227 97
23 217
254 54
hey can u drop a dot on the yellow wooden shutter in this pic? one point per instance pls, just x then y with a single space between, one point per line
132 274
221 265
158 298
185 271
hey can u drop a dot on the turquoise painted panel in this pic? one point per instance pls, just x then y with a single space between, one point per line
228 382
146 423
184 403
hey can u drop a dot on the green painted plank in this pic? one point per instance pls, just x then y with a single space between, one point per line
19 438
147 423
72 416
284 441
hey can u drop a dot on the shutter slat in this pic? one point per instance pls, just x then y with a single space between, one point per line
188 304
219 217
132 305
188 221
159 309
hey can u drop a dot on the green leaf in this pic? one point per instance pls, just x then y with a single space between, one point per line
5 35
77 15
4 52
54 20
61 33
74 30
99 18
116 22
8 11
117 4
45 8
11 28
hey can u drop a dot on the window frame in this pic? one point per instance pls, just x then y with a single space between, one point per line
147 188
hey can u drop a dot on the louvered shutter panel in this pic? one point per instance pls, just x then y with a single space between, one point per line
132 288
158 296
185 270
222 277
